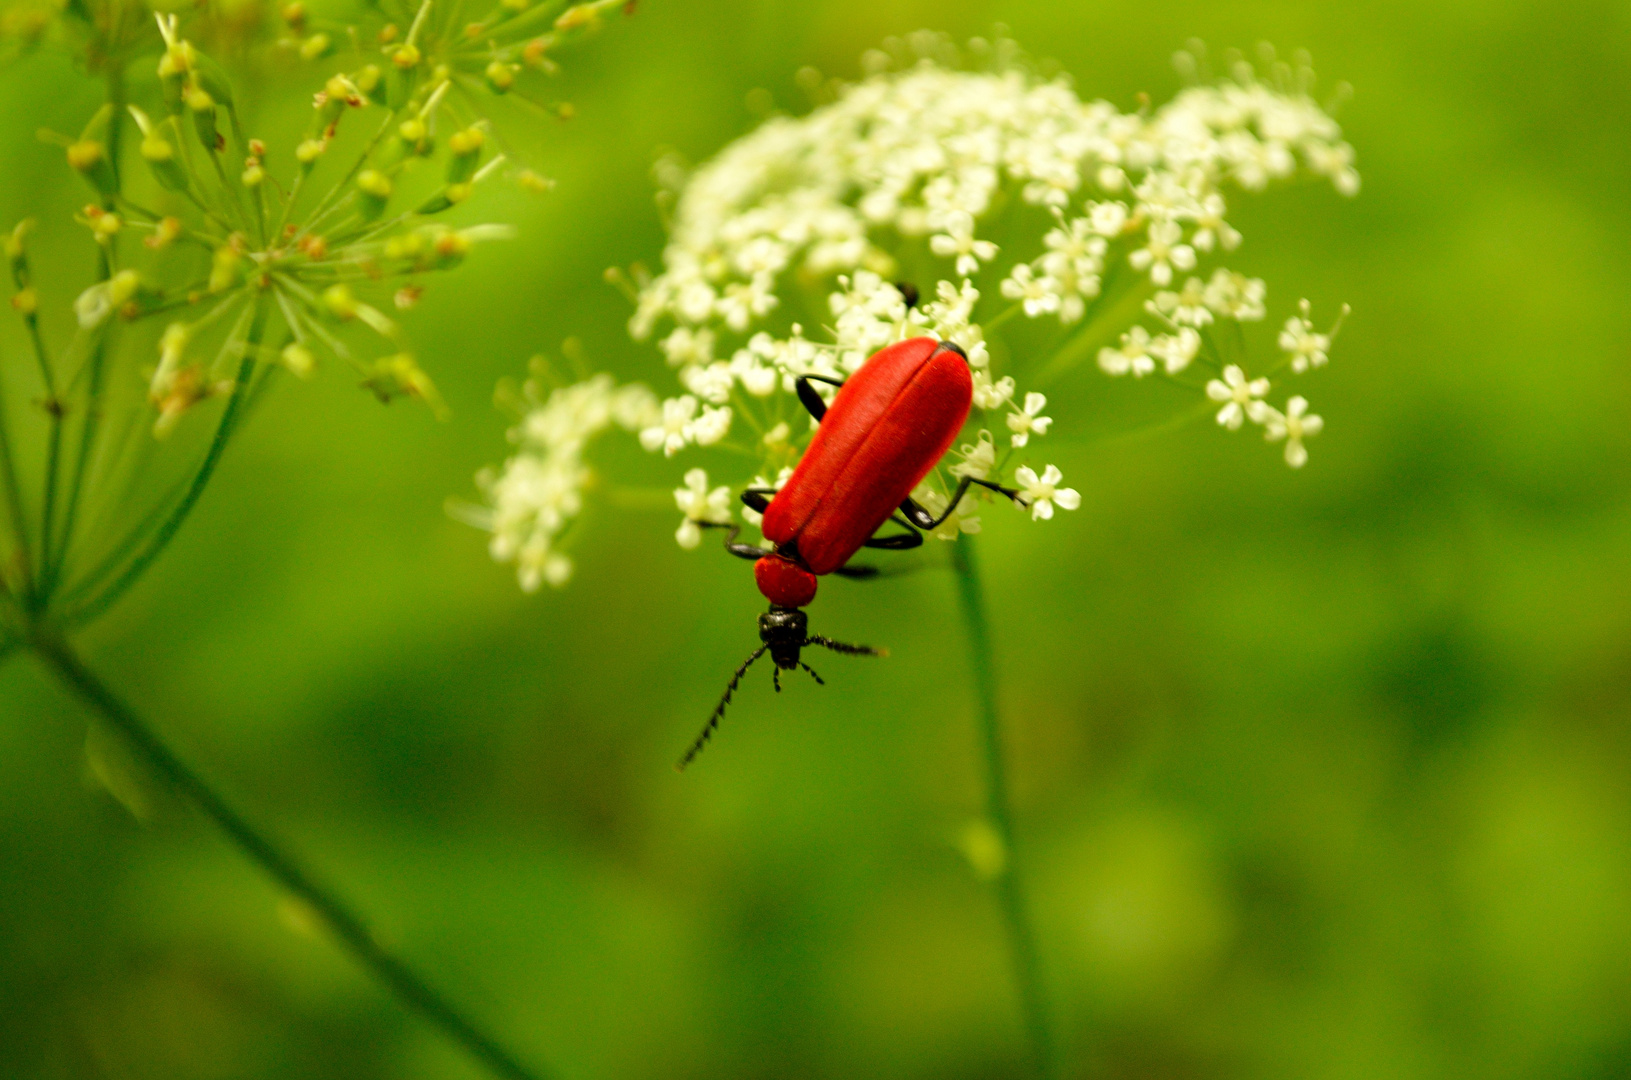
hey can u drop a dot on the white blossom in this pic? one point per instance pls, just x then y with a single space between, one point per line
1240 397
1163 252
990 395
958 241
1026 422
673 429
700 506
1308 349
1132 357
1176 351
1294 425
1235 296
959 521
978 457
1187 307
1042 493
1039 293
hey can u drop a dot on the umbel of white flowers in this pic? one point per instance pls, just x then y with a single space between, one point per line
921 165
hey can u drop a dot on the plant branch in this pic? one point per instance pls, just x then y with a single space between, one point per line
352 932
14 504
172 524
1010 889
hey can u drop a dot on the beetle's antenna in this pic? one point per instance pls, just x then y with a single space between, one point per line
776 677
819 680
719 710
844 647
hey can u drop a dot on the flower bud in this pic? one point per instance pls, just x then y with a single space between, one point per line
309 151
316 47
26 301
226 268
466 147
254 175
295 15
340 302
89 158
164 233
500 77
374 190
367 79
406 56
298 359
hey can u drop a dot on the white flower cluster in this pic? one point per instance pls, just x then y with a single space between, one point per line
924 158
538 492
1000 196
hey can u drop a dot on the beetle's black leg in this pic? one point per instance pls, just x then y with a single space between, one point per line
755 498
719 710
843 646
911 538
858 573
741 551
819 680
807 393
926 521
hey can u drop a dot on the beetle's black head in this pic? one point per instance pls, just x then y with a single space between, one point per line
784 630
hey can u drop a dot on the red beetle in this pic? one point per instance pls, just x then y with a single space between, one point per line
888 425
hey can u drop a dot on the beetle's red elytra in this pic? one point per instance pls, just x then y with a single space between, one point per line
887 427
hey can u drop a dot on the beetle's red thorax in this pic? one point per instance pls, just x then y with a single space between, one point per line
886 428
783 582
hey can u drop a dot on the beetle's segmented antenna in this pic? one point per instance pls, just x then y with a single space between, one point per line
776 678
819 680
844 647
719 710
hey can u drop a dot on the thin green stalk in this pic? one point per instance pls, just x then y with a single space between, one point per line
1010 889
90 427
14 503
348 927
54 408
172 524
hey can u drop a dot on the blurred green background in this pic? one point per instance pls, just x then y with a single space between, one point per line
1319 774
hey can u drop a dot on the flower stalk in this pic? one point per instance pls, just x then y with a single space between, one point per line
348 928
1010 888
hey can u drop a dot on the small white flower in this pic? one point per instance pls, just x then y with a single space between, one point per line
1236 296
1186 307
712 426
745 301
711 383
1132 357
1240 397
670 433
1042 493
1307 348
1041 294
1163 252
990 395
1177 351
1210 228
979 457
1294 425
686 345
1107 218
957 241
1026 422
700 506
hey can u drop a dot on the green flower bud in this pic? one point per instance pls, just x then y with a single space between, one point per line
340 302
374 189
316 47
500 77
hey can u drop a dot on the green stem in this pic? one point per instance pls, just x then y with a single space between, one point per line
348 927
1010 889
172 524
90 427
14 503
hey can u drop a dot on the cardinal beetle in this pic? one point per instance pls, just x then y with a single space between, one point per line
887 426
